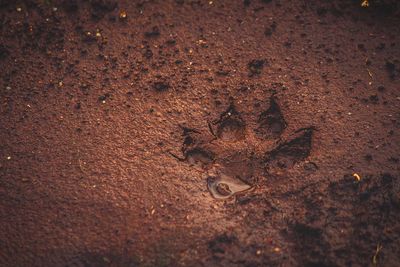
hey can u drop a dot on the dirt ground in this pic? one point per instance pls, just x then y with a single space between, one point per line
199 133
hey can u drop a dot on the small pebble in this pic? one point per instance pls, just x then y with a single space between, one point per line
122 14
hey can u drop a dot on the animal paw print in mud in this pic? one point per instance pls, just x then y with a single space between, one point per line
240 149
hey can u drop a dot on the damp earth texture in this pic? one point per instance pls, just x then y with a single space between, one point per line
238 133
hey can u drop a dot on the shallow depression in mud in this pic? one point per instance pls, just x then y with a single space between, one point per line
199 157
224 186
231 130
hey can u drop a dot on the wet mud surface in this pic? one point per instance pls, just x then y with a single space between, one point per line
199 133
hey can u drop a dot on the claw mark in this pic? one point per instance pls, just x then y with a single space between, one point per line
187 130
175 156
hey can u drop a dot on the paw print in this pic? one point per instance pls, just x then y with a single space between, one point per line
239 150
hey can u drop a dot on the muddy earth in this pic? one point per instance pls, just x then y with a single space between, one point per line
199 133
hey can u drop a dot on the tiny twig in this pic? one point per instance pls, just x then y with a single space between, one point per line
375 257
211 129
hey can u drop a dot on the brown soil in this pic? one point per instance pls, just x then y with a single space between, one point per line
199 133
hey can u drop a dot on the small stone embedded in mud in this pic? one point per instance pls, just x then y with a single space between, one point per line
223 186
